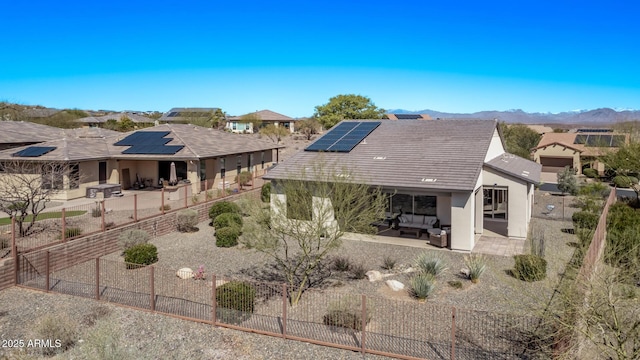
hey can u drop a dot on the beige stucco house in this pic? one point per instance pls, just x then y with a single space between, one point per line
453 173
237 124
203 157
578 150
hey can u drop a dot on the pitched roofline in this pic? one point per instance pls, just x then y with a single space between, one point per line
557 143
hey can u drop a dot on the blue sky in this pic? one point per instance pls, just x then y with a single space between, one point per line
289 56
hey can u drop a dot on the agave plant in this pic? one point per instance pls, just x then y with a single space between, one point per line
430 264
477 265
422 285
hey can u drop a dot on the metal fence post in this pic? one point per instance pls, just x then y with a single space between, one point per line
14 251
135 207
97 278
63 217
152 290
186 195
46 265
214 305
364 323
453 332
102 215
284 310
162 202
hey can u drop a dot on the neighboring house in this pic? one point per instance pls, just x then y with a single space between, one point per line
541 129
19 133
578 150
99 121
185 115
455 170
408 116
202 156
237 125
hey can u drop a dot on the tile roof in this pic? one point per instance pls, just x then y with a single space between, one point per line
568 140
516 166
408 116
174 114
12 132
115 116
198 143
439 155
265 115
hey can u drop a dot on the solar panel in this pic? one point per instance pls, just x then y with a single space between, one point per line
153 149
617 140
344 137
581 139
173 114
147 137
594 130
34 151
408 116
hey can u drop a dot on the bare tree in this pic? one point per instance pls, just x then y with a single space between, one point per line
308 127
27 186
275 133
308 217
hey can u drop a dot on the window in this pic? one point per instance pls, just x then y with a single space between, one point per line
74 176
425 205
51 177
495 202
222 169
239 164
250 163
234 125
262 159
413 204
203 170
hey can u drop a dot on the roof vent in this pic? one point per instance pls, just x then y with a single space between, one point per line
525 173
379 158
428 180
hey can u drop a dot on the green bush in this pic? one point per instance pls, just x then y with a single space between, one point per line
456 284
143 254
131 238
223 207
341 263
235 301
166 207
244 178
590 173
187 220
624 181
227 236
530 267
430 264
623 239
358 272
422 285
585 219
58 327
346 313
265 193
71 232
389 262
228 219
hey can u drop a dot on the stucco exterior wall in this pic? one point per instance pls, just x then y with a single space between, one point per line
462 214
556 150
495 147
519 201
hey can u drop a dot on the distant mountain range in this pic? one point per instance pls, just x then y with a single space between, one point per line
597 116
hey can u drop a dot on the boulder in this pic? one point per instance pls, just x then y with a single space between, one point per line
465 272
185 273
395 285
374 275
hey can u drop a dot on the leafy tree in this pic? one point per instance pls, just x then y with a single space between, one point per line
308 127
349 106
29 186
125 124
212 119
519 139
252 119
625 162
275 133
308 220
567 181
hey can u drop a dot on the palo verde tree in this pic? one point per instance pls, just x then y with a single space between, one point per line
26 187
625 162
308 127
275 133
567 182
519 139
349 106
308 217
253 119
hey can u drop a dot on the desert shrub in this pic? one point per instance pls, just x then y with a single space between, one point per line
72 232
109 225
244 178
623 239
389 262
422 285
622 181
590 173
131 238
595 189
227 219
235 301
430 264
265 193
476 265
585 219
143 254
195 199
346 313
54 328
456 284
96 313
530 267
227 236
96 211
166 207
341 263
187 220
358 272
223 207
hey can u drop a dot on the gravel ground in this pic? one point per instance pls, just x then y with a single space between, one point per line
157 336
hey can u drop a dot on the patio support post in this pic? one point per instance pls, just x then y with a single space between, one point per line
162 202
63 217
102 215
284 310
14 251
186 194
152 292
224 191
206 188
97 278
213 301
364 323
453 332
135 207
46 265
